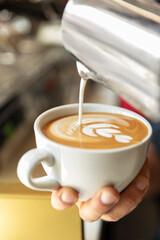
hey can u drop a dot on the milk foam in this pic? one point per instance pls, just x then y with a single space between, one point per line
91 130
98 130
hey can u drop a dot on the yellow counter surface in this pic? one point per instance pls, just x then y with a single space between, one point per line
28 215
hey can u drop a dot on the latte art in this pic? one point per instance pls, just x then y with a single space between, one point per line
106 130
98 131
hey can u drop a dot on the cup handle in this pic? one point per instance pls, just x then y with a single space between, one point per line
25 168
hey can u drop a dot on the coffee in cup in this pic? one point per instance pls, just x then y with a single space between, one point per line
97 131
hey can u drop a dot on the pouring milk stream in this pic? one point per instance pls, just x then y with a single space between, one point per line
81 69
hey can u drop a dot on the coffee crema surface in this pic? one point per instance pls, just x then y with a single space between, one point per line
97 131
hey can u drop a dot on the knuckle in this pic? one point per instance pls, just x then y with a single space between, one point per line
88 213
111 217
86 218
96 209
130 202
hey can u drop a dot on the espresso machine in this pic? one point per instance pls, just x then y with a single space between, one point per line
117 43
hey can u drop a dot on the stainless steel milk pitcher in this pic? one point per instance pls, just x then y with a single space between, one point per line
118 42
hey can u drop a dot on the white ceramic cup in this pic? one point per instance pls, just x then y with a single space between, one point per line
85 170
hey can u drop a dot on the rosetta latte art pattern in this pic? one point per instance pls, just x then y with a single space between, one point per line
97 131
106 130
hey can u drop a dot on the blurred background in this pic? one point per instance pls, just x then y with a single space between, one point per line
36 73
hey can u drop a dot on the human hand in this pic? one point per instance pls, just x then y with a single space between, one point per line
107 203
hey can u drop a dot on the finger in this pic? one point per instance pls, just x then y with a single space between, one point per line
131 197
64 198
102 202
145 169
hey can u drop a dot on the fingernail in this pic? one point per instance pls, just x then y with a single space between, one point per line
68 198
107 198
141 183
